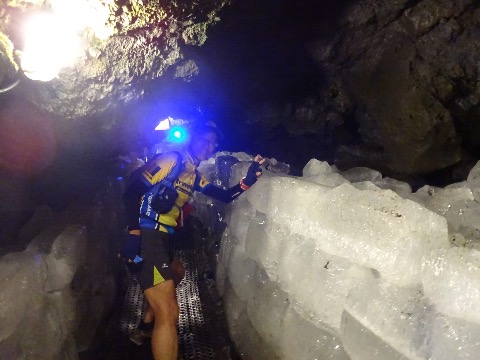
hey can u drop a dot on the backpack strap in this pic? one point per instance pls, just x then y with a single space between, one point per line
198 177
177 169
146 209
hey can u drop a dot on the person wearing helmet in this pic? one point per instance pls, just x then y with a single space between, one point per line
160 271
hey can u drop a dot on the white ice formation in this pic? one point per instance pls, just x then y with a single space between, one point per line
348 265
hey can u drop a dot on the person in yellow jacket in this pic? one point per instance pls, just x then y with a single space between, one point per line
159 271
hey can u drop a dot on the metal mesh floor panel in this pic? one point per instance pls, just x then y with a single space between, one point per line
133 306
195 340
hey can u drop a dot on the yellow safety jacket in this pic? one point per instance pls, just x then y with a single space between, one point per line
185 184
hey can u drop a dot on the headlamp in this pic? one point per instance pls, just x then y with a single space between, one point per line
177 134
176 130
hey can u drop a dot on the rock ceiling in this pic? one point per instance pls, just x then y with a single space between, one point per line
392 85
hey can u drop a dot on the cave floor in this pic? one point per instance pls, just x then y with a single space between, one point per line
202 326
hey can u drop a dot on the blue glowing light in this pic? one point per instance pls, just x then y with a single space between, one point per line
178 134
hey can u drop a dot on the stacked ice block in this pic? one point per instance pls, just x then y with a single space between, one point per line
334 265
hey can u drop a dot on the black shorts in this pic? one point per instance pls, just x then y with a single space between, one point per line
157 259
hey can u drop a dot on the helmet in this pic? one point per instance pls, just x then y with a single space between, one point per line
206 127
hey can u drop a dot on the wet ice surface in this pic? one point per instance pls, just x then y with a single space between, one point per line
329 265
350 265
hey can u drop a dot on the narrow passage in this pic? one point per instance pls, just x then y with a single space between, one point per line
202 327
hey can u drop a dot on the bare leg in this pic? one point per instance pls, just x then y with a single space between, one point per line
163 302
178 275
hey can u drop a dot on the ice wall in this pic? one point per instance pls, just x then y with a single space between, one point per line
348 265
56 292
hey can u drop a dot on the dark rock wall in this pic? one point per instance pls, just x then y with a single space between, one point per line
402 69
386 84
392 85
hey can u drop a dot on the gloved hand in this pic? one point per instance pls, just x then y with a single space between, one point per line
254 171
131 248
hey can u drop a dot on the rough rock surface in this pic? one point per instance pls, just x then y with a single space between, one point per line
408 71
387 84
392 85
147 38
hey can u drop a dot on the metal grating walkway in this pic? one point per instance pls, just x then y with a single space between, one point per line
198 339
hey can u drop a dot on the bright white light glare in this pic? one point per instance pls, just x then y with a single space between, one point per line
50 45
52 40
164 124
83 14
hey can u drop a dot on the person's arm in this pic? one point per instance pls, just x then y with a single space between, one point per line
228 195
